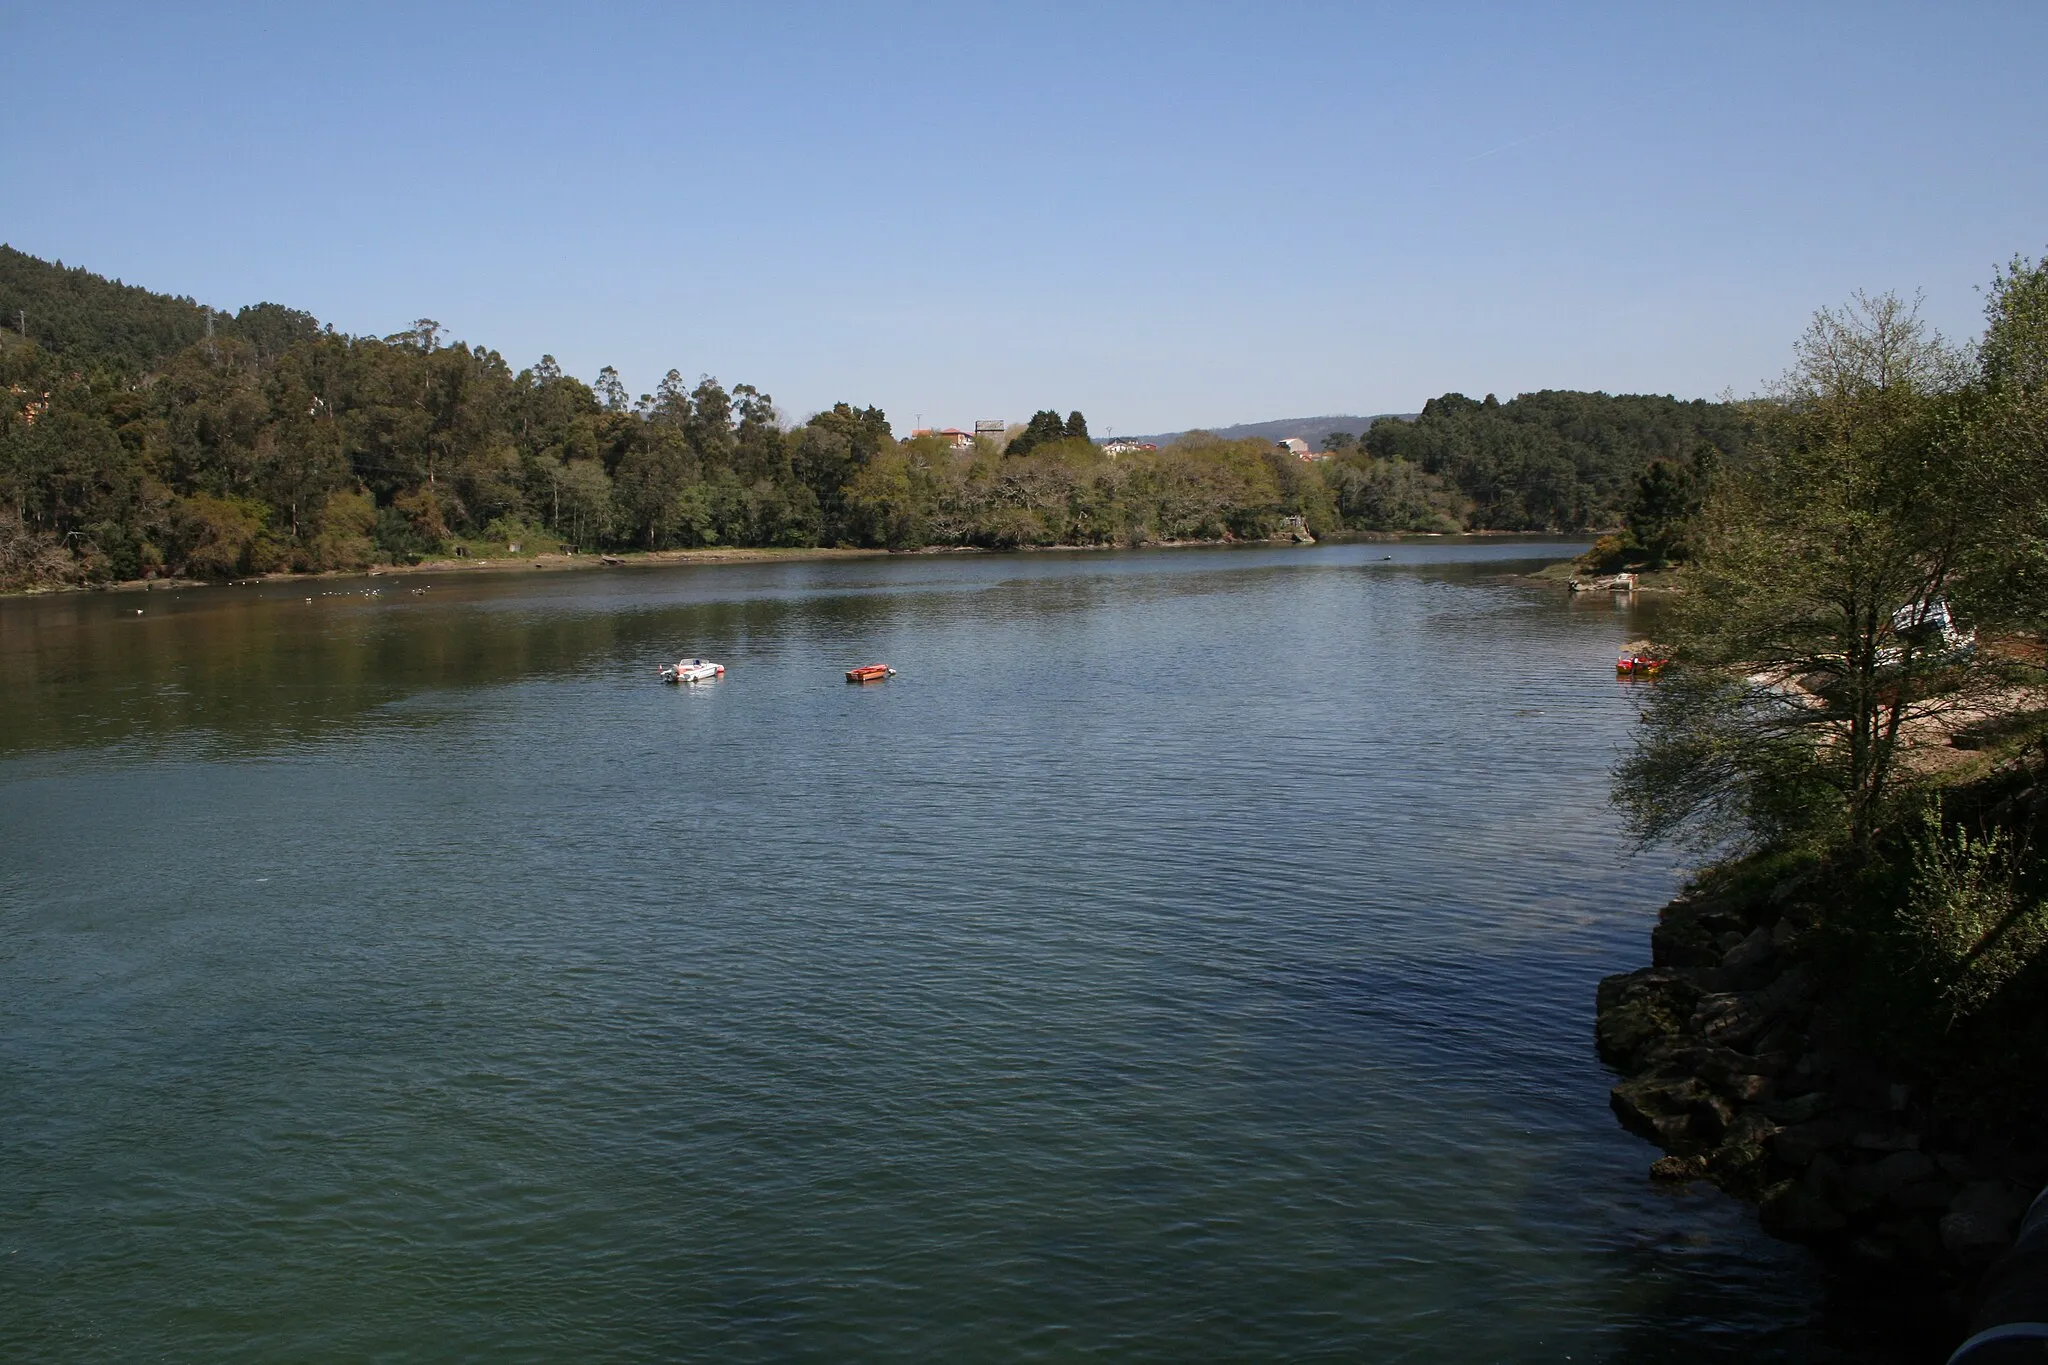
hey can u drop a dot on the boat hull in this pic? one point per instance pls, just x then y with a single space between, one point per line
692 671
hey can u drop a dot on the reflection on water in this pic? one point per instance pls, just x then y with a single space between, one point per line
1186 955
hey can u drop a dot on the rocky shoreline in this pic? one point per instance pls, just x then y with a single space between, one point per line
1734 1061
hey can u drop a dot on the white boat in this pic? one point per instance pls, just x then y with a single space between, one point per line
691 671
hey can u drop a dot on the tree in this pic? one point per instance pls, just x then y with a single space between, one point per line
610 391
1810 638
1044 428
1337 442
2007 428
1665 497
1077 426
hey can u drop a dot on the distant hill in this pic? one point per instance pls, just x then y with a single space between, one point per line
71 312
1310 429
75 312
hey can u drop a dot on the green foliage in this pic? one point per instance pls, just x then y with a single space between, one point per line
1971 928
2005 425
1373 494
1713 767
1044 428
87 319
1667 496
1847 512
1611 553
1555 460
132 443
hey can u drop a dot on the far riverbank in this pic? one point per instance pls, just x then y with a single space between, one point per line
555 562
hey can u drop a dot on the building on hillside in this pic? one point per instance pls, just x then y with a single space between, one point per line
1115 448
1299 448
954 436
990 429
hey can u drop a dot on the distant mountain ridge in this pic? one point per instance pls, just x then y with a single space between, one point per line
1310 429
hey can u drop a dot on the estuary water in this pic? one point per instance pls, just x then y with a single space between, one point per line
1190 955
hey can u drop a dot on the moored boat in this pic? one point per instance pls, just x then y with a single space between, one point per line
1638 666
868 673
692 670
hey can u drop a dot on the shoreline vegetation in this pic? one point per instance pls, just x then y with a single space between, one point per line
144 436
1845 1015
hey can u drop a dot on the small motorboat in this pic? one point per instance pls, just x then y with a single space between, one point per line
692 671
1638 666
868 673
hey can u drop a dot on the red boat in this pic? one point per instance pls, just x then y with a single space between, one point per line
868 673
1638 666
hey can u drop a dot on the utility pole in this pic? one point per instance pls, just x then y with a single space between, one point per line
21 322
210 353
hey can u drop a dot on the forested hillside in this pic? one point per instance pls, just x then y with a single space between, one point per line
144 434
1555 458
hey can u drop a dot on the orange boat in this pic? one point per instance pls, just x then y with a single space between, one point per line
868 673
1638 666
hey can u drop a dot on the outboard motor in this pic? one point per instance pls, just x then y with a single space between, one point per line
2011 1322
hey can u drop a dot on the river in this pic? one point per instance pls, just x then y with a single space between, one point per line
1188 955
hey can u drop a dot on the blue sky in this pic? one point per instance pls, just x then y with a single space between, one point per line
1165 215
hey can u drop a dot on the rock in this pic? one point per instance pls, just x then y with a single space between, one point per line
1784 936
1637 1010
1799 1109
1955 1166
1884 1177
1746 1089
1741 1168
1733 1018
1915 1238
1712 1116
1980 1218
1678 1168
1678 943
1885 1140
1796 1214
1928 1196
1675 1112
1751 953
1802 1142
1752 1128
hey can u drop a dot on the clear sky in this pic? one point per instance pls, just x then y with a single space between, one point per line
1166 215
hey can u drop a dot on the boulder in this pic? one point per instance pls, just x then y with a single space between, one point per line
1752 956
1886 1176
1741 1168
1661 1109
1680 943
1678 1168
1799 1109
1926 1197
1752 1128
1796 1214
1733 1018
1637 1010
1980 1219
1802 1142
